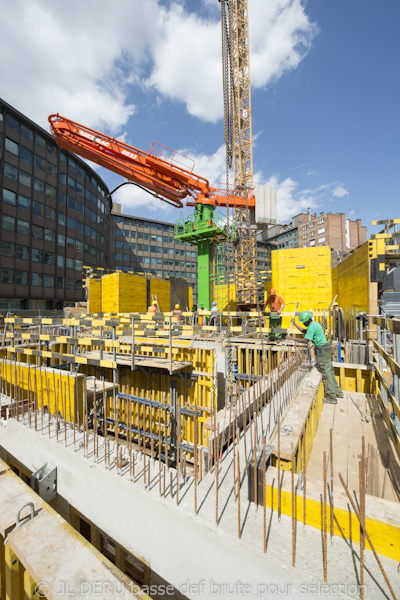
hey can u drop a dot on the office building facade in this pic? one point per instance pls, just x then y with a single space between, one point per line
55 218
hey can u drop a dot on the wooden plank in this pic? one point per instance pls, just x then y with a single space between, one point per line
14 494
58 548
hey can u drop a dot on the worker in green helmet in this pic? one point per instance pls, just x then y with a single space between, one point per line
314 333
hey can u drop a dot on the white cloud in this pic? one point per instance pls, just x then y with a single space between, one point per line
280 35
292 201
75 58
340 191
84 59
132 197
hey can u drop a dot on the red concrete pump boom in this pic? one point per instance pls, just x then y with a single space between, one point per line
164 172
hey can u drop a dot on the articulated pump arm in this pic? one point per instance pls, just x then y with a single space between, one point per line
162 171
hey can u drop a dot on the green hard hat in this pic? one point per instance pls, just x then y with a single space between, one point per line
305 316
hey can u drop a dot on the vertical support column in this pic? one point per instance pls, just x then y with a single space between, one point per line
173 396
133 345
30 587
40 343
14 575
396 380
204 263
2 570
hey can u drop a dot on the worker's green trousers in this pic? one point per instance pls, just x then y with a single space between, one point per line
325 367
275 323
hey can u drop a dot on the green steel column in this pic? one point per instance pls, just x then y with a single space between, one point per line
204 213
204 262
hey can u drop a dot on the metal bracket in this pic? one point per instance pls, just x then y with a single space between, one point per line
44 482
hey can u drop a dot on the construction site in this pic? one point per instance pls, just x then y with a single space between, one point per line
152 449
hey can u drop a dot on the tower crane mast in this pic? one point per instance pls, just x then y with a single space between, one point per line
237 102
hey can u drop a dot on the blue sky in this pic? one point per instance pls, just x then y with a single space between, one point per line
325 90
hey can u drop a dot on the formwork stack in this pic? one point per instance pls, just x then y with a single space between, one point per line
123 293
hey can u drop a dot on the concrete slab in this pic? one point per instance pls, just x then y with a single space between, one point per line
62 565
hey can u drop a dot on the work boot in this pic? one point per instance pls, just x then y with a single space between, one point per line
329 400
339 394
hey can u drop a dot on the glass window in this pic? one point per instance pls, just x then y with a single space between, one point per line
72 164
61 198
60 283
119 256
311 225
7 249
79 188
60 260
26 132
6 275
78 244
61 239
321 230
12 122
37 255
70 223
49 235
40 141
22 252
50 213
78 265
21 277
48 281
71 183
63 158
37 232
48 258
40 163
36 279
8 223
10 171
70 242
320 221
24 202
71 203
38 185
61 219
50 191
321 240
79 207
38 208
10 197
62 178
11 146
70 263
79 226
70 283
80 171
25 178
52 148
51 169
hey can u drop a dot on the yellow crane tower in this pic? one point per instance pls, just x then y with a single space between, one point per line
238 138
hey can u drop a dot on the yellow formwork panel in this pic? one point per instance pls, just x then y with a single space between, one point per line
58 391
350 280
160 288
197 392
190 292
94 295
123 293
302 275
221 297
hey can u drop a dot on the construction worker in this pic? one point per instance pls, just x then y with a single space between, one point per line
177 314
153 307
276 305
202 319
314 333
214 314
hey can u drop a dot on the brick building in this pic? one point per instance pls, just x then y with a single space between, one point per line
308 230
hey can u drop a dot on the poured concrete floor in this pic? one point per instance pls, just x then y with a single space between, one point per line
348 427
